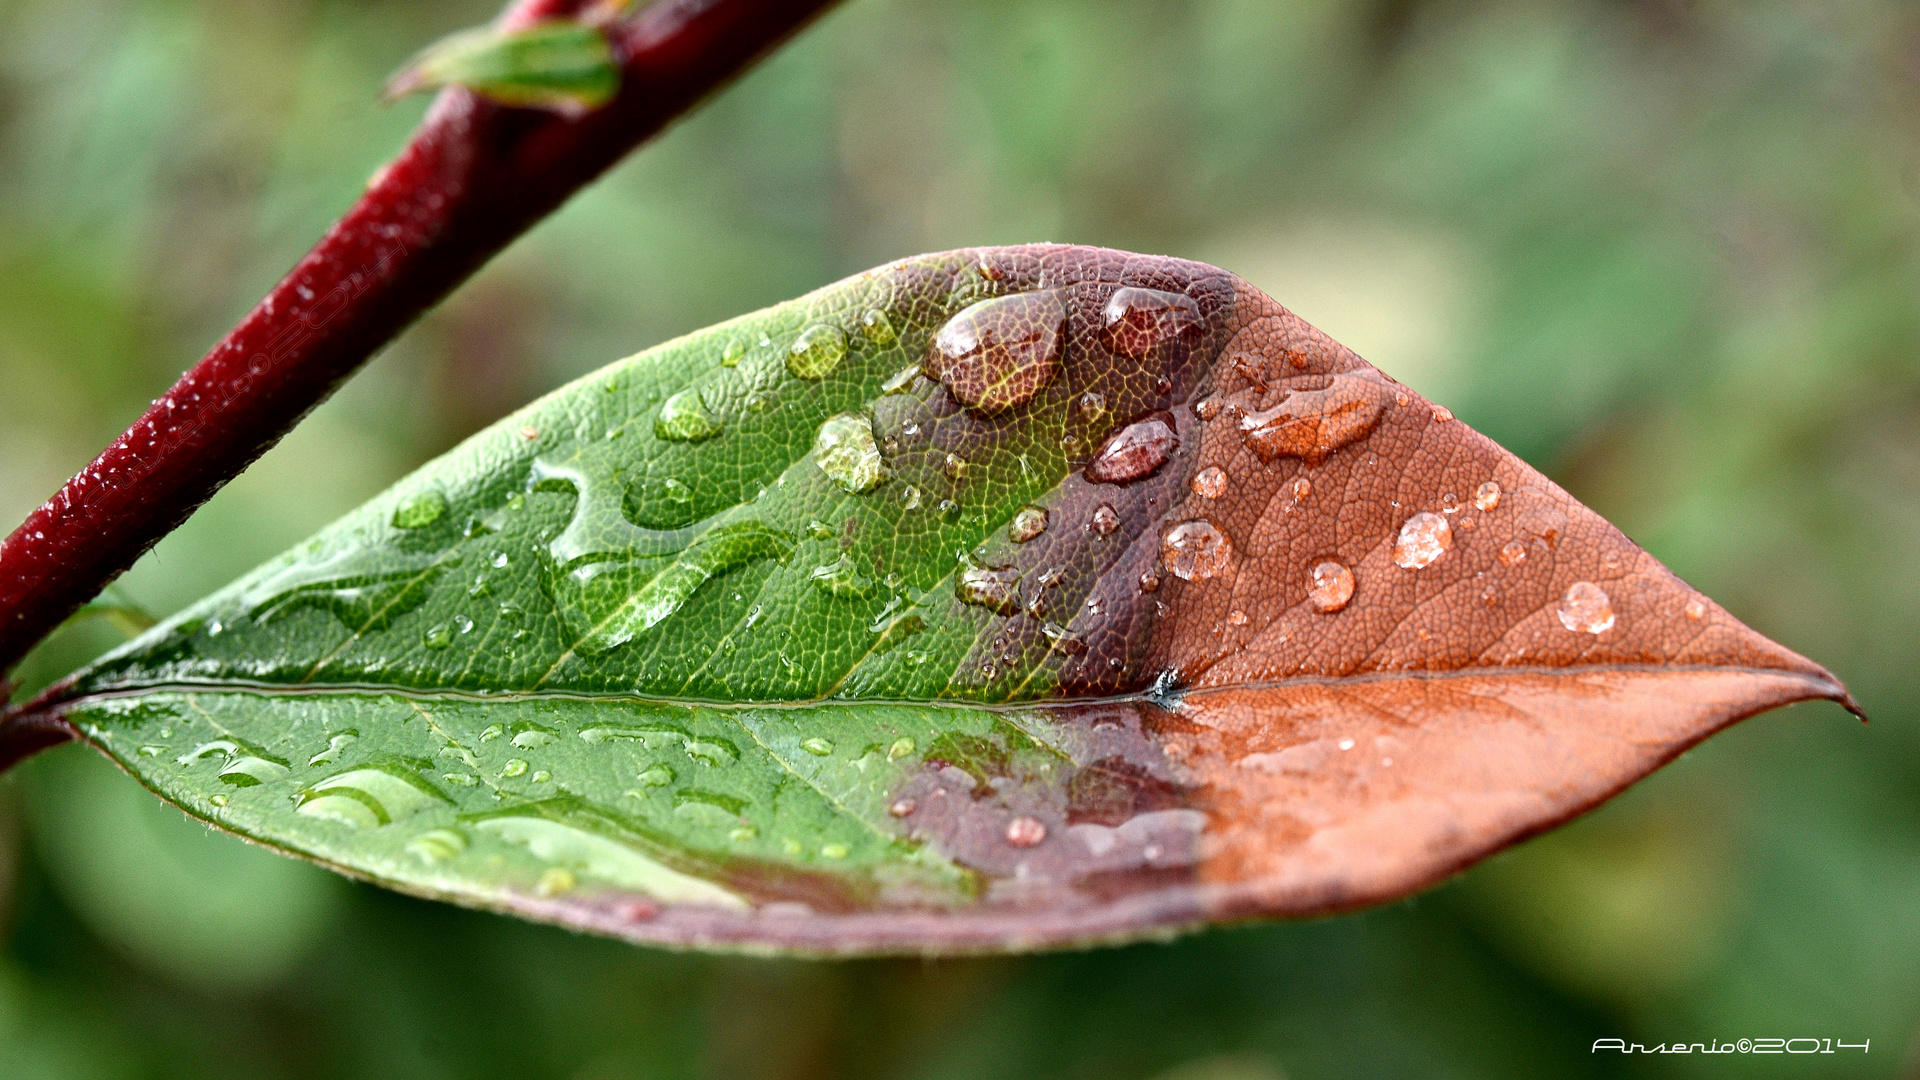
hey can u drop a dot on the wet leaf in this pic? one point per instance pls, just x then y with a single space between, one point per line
1167 610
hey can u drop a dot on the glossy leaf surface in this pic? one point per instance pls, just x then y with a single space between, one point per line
991 599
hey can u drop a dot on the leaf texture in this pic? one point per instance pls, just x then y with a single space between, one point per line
994 599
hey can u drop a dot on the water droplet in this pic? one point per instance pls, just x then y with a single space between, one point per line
949 511
1449 503
499 560
1062 640
1196 550
463 623
834 851
152 751
1030 522
335 744
1092 405
1135 320
910 498
437 845
900 748
218 800
1586 607
492 732
1696 610
459 779
1512 553
1488 496
1025 831
846 451
367 798
541 776
1610 560
818 747
903 807
1236 617
1332 587
730 356
528 735
555 881
954 466
349 588
437 636
1310 424
1424 538
877 327
996 588
1149 580
685 419
514 767
1442 414
817 351
841 578
420 510
1210 482
656 776
242 765
1207 409
1104 520
998 353
1134 452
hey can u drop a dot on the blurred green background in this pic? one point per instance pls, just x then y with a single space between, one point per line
1665 250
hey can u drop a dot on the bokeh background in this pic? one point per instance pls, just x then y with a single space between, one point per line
1664 250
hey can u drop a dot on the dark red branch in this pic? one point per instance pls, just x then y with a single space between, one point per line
473 178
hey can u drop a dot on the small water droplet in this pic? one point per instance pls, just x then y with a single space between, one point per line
1092 405
834 851
676 491
152 751
996 588
420 510
1025 832
492 732
1449 503
817 351
335 744
1424 538
1104 520
656 776
1210 482
541 776
1207 409
998 353
463 624
1488 496
1696 610
437 636
900 748
1586 607
1196 550
877 327
1134 452
1060 639
1236 617
684 418
437 845
1149 580
949 511
819 530
910 498
730 356
1030 522
459 779
1442 414
846 451
514 767
903 807
531 736
1512 553
499 560
954 466
841 578
218 800
818 747
1610 560
1331 588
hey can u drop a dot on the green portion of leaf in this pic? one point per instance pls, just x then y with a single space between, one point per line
554 64
813 537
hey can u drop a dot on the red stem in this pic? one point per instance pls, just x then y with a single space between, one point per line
475 176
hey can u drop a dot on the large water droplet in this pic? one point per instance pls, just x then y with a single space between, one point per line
998 353
996 588
1134 452
1488 496
1332 587
1030 522
1424 538
1310 424
1104 520
366 798
580 839
1209 483
684 418
817 351
1585 608
1196 550
420 510
1135 320
349 588
847 452
241 764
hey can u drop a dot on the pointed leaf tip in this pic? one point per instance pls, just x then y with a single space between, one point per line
559 64
994 599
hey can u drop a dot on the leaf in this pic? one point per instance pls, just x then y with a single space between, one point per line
1166 609
558 64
